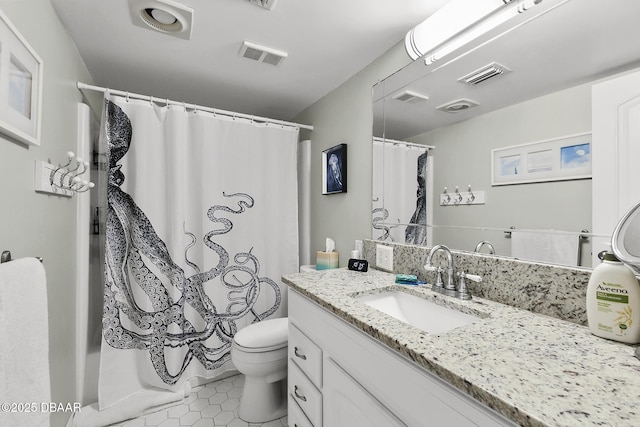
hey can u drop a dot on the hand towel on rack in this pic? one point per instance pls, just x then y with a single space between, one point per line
547 247
24 342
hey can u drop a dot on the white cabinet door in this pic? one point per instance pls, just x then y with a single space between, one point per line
347 404
616 153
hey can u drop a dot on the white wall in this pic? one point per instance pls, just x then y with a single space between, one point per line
345 116
35 224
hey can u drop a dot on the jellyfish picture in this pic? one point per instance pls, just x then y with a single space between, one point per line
334 170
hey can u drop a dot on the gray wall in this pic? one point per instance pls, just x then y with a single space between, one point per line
345 116
463 156
34 224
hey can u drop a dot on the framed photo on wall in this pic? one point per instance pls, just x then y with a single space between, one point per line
21 85
334 170
558 159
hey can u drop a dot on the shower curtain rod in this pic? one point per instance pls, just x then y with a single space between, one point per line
396 141
82 86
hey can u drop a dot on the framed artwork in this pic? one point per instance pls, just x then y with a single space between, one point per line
564 158
21 86
334 170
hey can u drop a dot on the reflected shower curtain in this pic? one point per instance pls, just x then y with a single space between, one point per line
399 193
201 225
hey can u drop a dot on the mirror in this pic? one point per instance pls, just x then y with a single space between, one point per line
625 242
548 61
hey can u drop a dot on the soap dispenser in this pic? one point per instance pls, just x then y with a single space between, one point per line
613 301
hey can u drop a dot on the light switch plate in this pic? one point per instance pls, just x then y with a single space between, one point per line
384 257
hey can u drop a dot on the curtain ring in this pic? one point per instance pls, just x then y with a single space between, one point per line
127 97
166 100
184 105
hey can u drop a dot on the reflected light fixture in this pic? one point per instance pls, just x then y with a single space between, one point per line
458 23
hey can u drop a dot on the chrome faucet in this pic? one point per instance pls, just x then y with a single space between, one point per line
487 243
449 288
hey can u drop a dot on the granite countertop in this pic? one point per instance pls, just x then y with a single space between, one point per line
534 369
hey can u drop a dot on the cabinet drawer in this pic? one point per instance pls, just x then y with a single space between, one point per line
306 354
295 416
305 394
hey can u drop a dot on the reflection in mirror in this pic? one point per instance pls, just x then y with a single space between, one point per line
626 239
551 63
401 172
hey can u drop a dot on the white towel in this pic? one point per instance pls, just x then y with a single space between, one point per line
549 247
24 344
142 403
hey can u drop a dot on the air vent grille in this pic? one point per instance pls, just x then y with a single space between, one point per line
165 16
260 53
410 97
485 73
458 105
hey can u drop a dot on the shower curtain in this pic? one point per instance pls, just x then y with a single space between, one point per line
201 224
399 193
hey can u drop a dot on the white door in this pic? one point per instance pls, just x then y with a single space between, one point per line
616 154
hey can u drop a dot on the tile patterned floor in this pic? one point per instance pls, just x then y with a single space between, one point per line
212 405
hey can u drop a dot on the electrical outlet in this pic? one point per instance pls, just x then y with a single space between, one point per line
384 257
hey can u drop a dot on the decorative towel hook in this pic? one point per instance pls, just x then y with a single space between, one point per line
471 197
458 196
447 196
68 178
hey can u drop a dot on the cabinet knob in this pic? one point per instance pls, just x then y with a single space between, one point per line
298 395
299 354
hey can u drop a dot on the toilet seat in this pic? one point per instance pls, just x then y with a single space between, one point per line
264 336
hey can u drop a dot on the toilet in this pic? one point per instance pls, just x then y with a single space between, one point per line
259 351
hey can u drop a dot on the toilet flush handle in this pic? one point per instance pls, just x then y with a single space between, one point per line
299 354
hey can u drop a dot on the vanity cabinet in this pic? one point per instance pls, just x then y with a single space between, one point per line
339 376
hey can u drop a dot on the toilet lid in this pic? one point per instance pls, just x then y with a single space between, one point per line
267 333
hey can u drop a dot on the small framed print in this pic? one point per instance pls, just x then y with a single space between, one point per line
21 86
334 170
564 158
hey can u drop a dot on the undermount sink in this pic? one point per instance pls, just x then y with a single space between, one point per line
418 312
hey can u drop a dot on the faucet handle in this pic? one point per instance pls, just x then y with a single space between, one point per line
463 292
472 277
439 283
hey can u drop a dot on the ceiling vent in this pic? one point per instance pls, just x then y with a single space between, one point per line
260 53
410 97
267 4
485 73
165 16
458 105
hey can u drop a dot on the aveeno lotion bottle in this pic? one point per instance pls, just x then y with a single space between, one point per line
613 301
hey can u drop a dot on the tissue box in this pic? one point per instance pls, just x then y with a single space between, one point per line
326 260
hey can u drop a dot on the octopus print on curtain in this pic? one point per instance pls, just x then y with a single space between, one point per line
399 209
201 225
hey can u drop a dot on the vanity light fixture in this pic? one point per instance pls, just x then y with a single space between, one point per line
165 16
458 23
